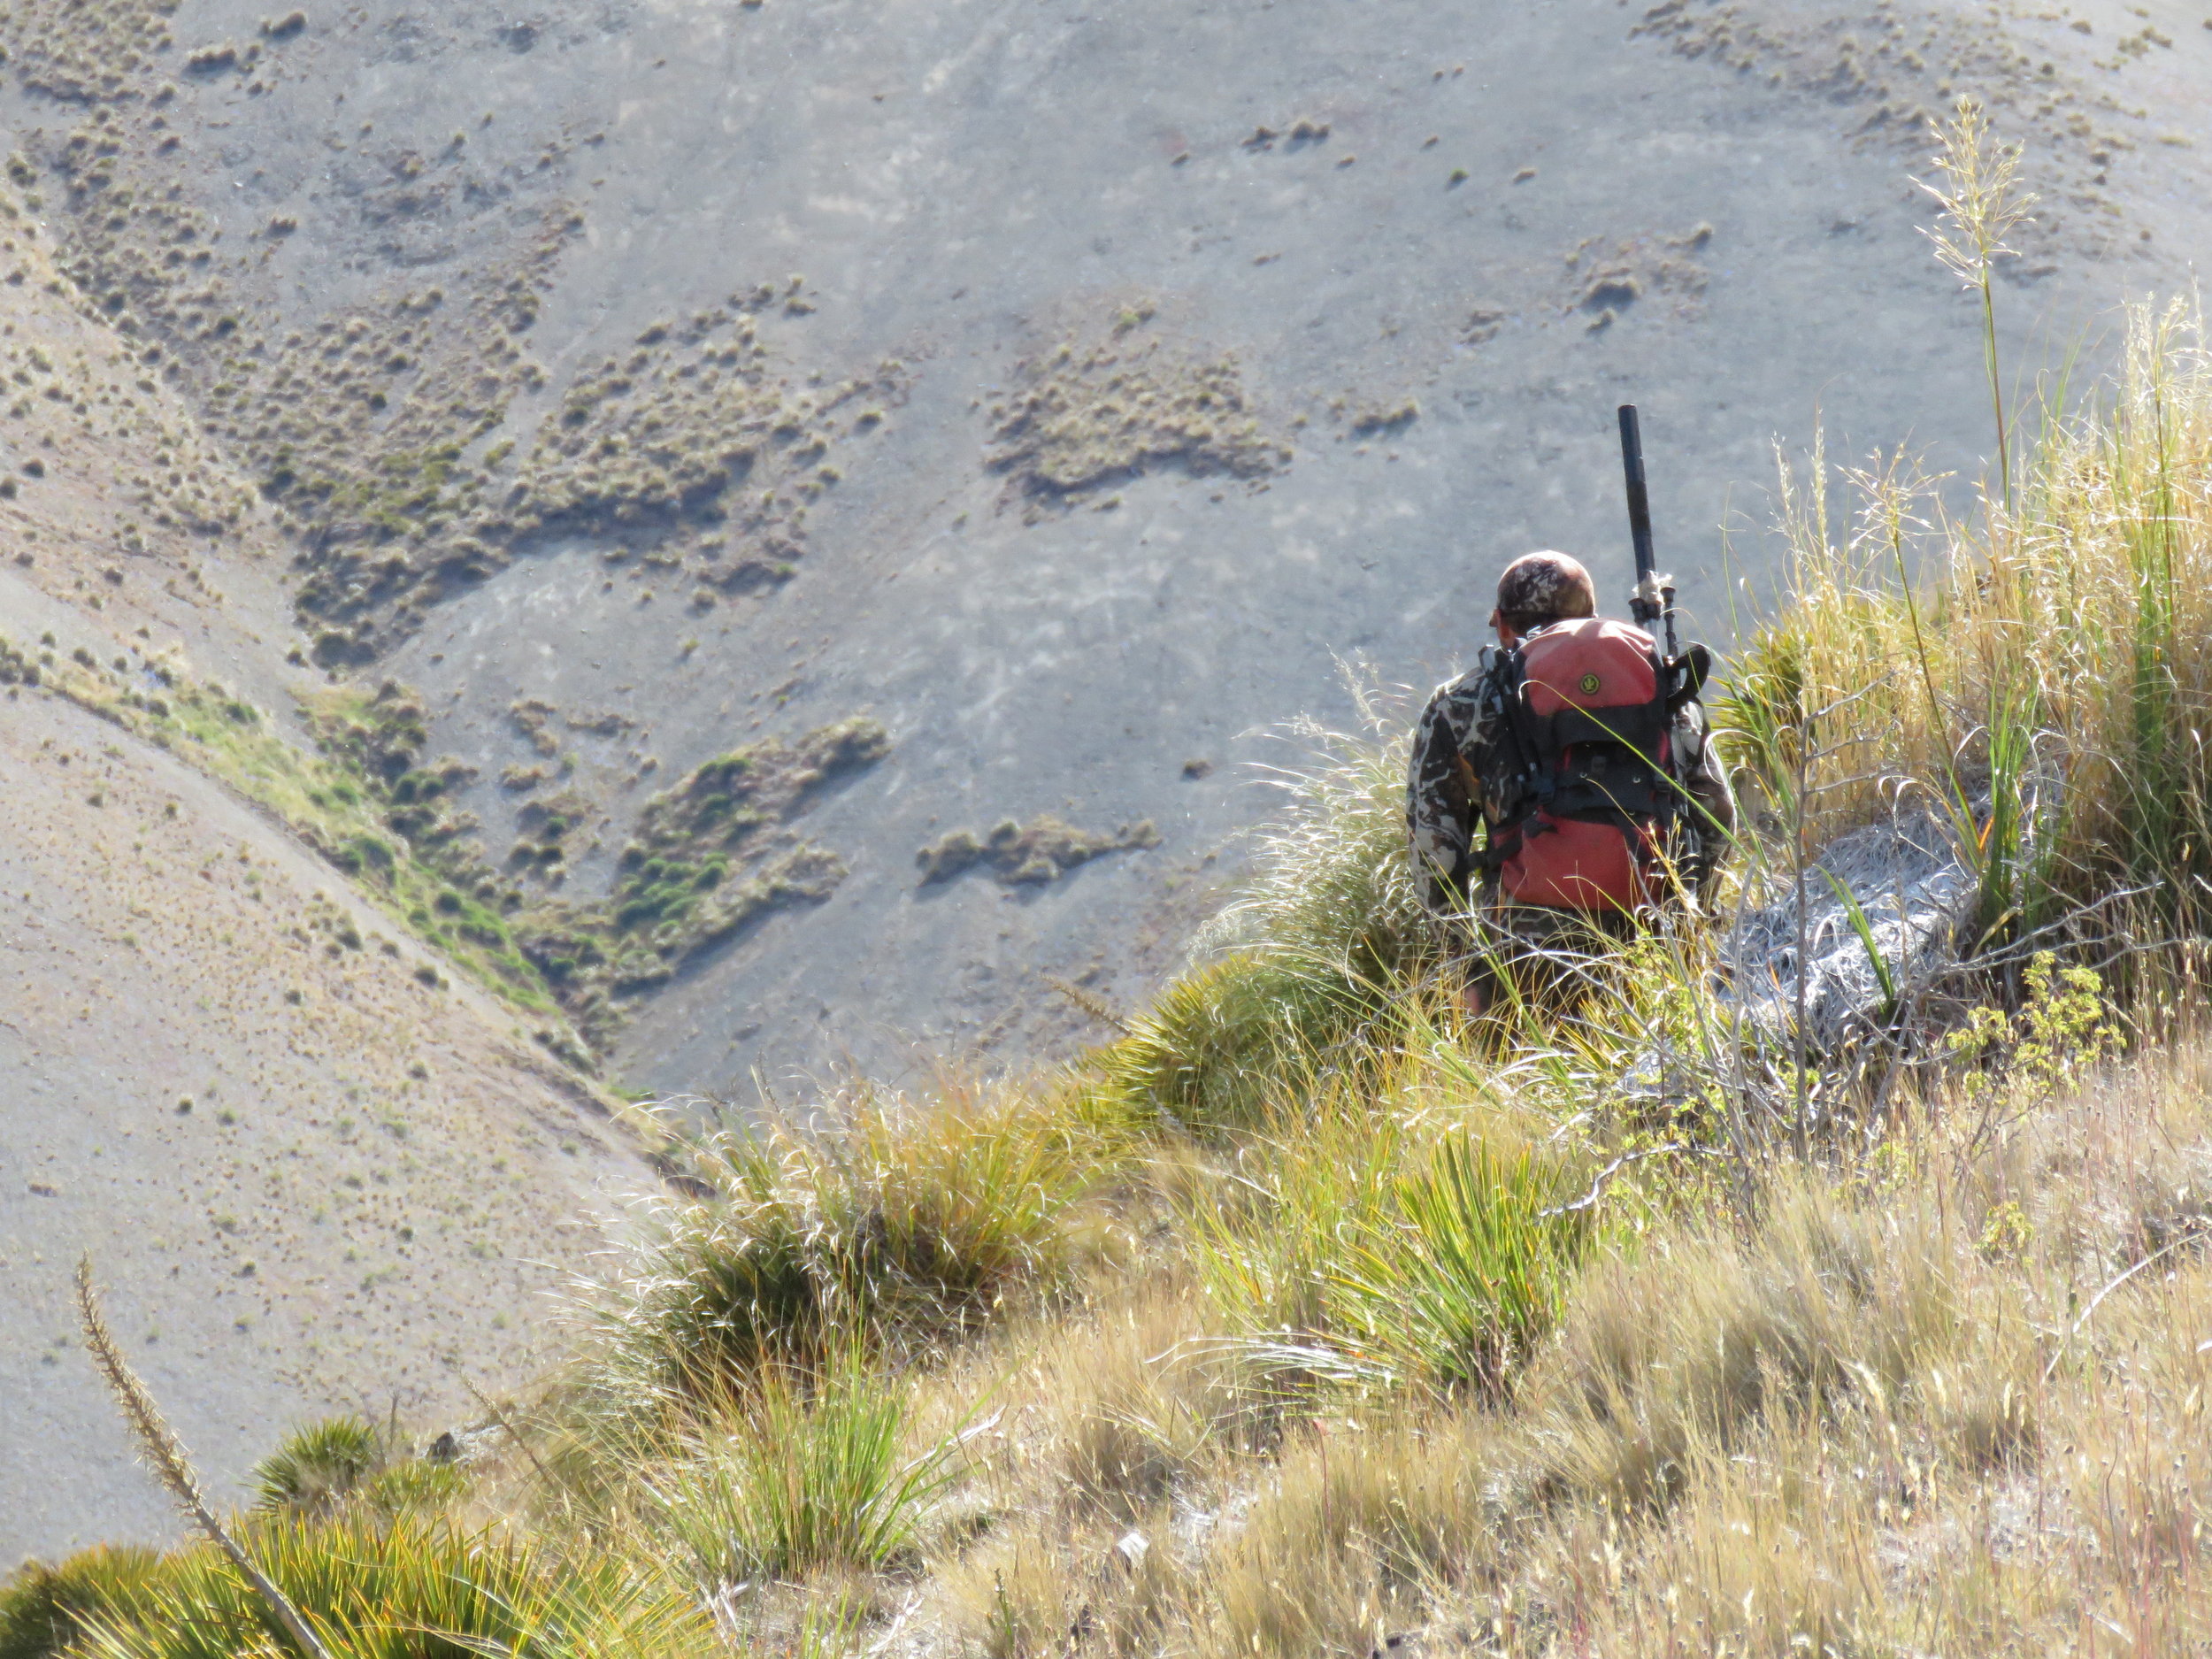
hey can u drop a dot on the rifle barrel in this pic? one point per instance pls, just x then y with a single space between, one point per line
1644 604
1653 593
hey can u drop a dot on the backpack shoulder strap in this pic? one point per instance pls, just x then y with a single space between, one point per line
1511 773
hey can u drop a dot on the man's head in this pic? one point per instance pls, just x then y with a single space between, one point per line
1539 588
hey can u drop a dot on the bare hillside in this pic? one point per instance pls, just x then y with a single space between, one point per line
322 1169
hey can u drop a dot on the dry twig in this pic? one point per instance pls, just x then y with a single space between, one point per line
165 1454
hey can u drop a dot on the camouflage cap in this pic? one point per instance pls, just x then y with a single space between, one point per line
1545 587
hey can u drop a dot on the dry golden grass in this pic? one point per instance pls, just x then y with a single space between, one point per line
2034 672
1884 1412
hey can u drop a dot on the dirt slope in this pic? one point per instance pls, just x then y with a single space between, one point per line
310 1178
318 1169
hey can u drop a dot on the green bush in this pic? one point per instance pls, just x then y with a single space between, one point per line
318 1467
809 1470
402 1589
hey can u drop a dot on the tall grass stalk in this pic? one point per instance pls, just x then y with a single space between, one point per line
1981 204
172 1464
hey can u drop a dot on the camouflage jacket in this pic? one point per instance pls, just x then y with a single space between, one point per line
1459 775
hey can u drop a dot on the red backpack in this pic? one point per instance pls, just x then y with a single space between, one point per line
1591 724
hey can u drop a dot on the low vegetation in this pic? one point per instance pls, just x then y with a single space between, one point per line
363 801
707 854
1311 1318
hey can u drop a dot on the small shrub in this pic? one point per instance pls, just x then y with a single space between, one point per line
809 1471
2065 1025
1458 1286
315 1468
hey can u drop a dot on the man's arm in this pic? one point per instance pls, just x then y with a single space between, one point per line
1440 806
1713 804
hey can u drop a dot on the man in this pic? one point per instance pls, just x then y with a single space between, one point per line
1480 755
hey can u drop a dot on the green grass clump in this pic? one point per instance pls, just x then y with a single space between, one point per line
1266 1247
406 1589
906 1223
348 1463
1392 1228
320 1465
44 1610
1459 1287
1319 941
809 1470
1218 1044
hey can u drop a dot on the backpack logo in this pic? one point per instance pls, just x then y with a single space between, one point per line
1590 683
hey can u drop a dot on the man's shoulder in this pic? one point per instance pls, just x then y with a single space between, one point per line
1465 706
1474 682
1479 685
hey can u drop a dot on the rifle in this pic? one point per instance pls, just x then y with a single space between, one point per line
1652 601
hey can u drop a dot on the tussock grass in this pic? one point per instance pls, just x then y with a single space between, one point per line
811 1470
1316 945
1363 1527
2035 674
403 1590
45 1609
901 1222
320 1464
1459 1285
1854 1419
1380 1242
